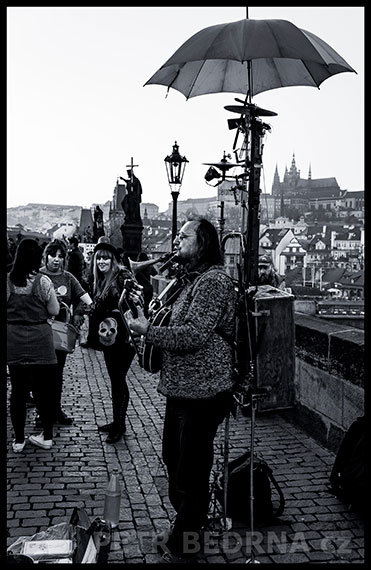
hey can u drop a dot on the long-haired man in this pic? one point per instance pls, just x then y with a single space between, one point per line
196 377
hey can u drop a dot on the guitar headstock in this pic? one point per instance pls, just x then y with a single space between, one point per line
127 302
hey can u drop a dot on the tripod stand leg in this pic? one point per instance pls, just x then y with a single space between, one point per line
225 469
252 560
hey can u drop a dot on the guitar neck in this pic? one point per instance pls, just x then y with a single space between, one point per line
168 293
130 305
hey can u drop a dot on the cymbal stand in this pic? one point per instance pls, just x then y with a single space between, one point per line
254 402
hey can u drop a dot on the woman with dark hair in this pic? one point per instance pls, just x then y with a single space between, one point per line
31 301
109 279
70 292
196 375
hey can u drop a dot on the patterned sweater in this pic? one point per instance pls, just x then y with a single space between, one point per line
197 360
73 293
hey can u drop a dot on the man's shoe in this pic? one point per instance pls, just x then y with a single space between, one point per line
106 427
171 547
39 441
63 419
18 447
115 436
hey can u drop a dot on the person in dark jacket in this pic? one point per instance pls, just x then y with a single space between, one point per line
75 260
196 376
267 274
109 280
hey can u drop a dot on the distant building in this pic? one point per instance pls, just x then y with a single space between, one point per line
41 217
148 209
119 193
305 193
198 206
353 200
274 242
64 230
85 229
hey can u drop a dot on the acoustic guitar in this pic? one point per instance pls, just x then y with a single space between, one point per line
149 356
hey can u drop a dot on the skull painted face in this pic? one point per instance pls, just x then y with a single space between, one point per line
107 331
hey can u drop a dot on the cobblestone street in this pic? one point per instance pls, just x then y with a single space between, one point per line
44 486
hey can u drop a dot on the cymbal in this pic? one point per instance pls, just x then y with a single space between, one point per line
222 165
250 110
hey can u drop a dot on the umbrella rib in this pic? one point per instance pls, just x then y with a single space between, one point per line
308 70
171 84
194 80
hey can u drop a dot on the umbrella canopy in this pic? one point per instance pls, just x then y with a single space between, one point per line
249 57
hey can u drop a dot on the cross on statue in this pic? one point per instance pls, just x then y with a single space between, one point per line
132 166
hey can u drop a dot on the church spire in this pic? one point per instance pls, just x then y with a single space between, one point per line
276 182
276 178
286 174
293 164
310 172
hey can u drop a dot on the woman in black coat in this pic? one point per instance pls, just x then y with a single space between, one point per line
109 278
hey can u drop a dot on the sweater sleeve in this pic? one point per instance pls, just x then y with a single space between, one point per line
77 292
211 297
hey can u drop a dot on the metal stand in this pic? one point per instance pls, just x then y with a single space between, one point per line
254 400
227 522
247 393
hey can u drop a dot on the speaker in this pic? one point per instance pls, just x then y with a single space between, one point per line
272 314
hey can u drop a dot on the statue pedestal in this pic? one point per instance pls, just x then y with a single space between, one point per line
132 238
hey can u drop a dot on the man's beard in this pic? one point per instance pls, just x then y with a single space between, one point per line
264 279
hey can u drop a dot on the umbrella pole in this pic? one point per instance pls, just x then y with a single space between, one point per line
256 129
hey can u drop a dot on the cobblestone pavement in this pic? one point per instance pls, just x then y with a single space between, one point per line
45 486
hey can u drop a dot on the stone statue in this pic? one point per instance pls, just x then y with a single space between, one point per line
132 199
98 227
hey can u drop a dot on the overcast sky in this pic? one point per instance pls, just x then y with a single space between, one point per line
77 108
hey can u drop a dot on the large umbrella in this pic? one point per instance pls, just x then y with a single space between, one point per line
249 57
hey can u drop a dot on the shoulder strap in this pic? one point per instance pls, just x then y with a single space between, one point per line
209 272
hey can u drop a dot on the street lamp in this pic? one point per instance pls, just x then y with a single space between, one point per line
175 166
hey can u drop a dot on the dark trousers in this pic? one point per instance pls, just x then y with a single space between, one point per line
188 451
40 379
118 359
58 385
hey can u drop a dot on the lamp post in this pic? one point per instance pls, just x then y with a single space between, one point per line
175 166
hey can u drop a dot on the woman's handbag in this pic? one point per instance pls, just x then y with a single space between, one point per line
64 334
